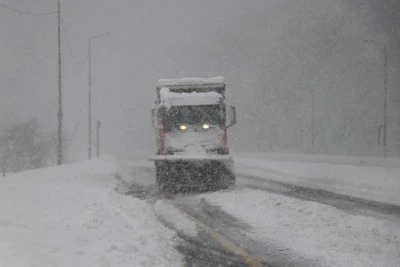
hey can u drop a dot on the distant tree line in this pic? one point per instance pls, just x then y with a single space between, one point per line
26 146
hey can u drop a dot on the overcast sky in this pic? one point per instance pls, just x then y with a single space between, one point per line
275 55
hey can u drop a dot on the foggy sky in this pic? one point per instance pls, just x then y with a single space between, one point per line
274 54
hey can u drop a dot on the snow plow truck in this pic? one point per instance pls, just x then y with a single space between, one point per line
191 119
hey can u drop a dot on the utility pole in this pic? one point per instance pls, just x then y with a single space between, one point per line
90 104
98 138
59 113
385 107
312 118
384 92
90 94
301 139
3 164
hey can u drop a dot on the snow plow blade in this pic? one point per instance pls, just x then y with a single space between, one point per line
176 173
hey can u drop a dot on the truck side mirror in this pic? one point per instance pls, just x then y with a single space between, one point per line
230 115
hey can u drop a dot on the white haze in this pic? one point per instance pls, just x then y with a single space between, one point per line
273 54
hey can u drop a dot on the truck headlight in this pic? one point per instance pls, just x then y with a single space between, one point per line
206 126
182 127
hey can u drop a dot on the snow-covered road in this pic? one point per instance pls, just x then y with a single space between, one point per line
108 213
285 228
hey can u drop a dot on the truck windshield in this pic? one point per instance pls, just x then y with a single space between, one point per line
193 115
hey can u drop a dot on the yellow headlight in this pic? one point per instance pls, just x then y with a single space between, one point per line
182 127
206 126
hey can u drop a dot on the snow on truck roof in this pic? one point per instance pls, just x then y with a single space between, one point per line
168 98
214 81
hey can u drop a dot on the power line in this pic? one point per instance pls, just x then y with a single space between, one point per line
45 14
26 12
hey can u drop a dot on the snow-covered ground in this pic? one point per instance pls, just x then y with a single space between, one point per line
315 231
72 216
374 179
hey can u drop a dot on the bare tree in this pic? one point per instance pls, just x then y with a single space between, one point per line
25 146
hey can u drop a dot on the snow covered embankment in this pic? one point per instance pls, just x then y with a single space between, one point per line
71 216
372 179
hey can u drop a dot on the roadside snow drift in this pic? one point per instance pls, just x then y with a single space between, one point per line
72 216
175 218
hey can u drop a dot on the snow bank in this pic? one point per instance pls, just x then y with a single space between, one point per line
381 184
175 219
315 231
139 172
71 216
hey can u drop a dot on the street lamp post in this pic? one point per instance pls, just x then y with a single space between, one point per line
385 93
59 113
312 117
90 93
98 138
